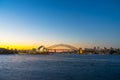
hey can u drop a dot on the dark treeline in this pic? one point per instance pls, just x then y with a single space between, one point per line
7 51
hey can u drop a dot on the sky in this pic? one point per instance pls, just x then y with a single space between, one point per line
81 23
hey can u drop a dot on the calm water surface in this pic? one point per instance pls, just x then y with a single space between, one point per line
60 67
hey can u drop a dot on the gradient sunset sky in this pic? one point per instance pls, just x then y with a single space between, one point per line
81 23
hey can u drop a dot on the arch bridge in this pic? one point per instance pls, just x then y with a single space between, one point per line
53 48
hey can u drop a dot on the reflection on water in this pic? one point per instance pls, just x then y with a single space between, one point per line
60 67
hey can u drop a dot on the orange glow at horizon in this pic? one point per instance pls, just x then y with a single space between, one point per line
29 46
23 46
18 46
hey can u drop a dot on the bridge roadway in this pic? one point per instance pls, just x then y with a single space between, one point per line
60 50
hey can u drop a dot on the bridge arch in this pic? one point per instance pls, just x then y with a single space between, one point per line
63 45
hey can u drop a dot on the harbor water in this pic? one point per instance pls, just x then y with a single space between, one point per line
60 67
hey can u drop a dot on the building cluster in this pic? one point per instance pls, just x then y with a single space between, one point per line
98 50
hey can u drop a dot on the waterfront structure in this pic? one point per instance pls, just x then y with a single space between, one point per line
80 51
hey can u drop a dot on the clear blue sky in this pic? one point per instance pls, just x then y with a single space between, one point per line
83 23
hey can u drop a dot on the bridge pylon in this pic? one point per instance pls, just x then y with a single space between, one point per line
80 51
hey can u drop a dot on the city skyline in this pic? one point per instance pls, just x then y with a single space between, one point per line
26 24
